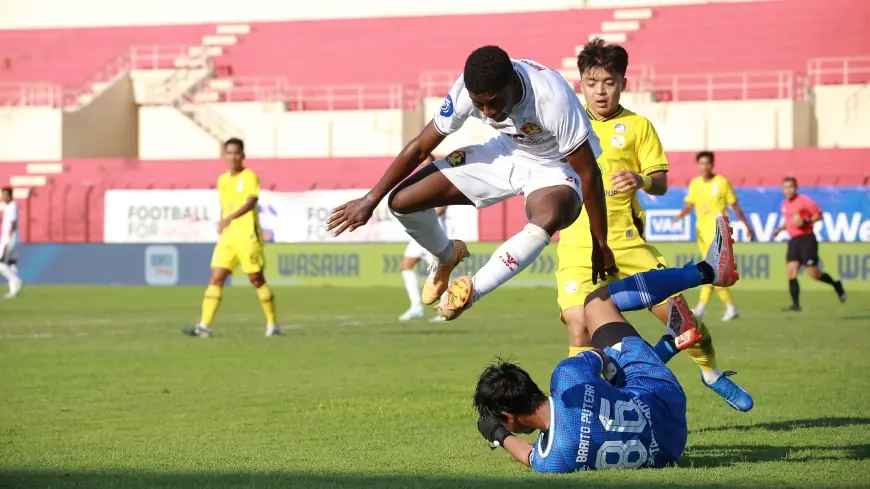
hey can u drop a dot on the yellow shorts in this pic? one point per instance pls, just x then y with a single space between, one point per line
705 238
574 276
230 253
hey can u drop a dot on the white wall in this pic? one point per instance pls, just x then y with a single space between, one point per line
165 134
30 133
842 114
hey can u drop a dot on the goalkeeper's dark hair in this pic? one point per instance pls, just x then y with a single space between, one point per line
791 179
506 388
597 54
237 142
488 70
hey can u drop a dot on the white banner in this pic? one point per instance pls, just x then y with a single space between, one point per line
192 216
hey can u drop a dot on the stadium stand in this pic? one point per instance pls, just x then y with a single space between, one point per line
146 106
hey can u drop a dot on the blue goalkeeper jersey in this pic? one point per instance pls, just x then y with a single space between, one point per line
639 422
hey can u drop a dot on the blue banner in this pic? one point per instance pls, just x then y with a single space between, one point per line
845 214
115 264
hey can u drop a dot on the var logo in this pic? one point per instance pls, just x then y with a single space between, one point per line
161 265
660 226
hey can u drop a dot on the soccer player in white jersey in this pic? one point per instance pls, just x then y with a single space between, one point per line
9 244
545 152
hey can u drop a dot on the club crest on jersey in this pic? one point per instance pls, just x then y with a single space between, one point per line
447 107
619 127
530 128
240 186
457 158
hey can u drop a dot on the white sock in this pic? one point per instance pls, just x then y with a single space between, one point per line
10 276
14 268
424 227
511 258
412 286
710 377
700 308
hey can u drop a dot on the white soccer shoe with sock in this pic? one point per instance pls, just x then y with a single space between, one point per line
415 312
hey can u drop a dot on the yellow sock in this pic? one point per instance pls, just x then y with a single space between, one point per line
703 352
724 295
573 351
267 301
210 303
706 291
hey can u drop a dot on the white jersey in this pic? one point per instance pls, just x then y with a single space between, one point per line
547 124
10 217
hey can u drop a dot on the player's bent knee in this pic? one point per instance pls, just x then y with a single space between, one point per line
597 297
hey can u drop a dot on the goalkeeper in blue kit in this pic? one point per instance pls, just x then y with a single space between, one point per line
617 406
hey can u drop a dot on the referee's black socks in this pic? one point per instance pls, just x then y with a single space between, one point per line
795 290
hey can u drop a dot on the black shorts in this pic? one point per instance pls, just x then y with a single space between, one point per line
803 249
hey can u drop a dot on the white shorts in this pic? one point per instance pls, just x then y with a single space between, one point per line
414 250
491 172
9 250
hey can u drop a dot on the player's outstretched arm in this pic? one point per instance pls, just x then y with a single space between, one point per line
414 153
583 162
684 211
357 212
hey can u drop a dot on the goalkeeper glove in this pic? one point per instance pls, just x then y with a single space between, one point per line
493 431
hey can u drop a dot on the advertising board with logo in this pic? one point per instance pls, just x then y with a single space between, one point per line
192 216
761 266
845 214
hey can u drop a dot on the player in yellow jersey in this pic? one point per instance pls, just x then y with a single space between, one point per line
632 159
710 195
240 242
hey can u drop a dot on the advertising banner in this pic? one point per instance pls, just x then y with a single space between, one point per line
761 266
192 216
845 214
115 264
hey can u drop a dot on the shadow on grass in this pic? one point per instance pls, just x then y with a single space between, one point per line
791 425
725 455
22 479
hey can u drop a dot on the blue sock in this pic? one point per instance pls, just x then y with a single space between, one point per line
664 349
646 289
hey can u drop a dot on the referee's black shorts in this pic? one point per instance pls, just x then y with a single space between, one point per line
803 249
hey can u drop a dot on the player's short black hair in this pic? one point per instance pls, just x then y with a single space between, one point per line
791 179
236 141
6 190
597 54
506 388
488 70
705 154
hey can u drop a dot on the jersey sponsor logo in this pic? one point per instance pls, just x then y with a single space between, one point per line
447 107
457 158
240 185
619 127
530 128
660 226
617 141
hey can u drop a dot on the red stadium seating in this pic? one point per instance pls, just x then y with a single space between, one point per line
751 36
70 208
72 56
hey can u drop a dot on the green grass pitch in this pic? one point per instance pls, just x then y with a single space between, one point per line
98 389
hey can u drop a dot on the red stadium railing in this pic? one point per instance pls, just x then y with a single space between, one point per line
135 58
725 86
326 97
839 71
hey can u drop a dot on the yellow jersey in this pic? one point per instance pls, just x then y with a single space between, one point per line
710 199
234 191
628 142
